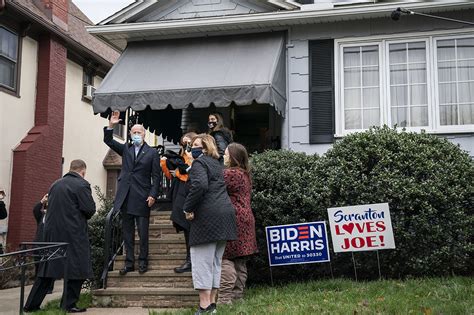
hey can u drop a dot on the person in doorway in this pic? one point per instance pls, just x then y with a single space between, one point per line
3 208
234 262
70 206
138 188
221 134
176 168
39 212
212 220
3 212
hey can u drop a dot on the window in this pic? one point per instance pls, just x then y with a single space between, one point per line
87 82
421 83
8 59
455 67
361 87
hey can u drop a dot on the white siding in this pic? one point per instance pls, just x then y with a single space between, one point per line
17 114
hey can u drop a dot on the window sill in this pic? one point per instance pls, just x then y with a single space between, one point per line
467 130
9 91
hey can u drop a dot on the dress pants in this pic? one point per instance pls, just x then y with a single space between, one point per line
41 286
128 234
233 279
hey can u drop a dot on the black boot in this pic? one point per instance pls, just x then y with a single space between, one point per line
185 267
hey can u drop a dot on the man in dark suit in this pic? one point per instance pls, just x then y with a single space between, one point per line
70 205
138 187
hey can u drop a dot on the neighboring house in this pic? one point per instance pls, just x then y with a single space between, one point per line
49 65
309 73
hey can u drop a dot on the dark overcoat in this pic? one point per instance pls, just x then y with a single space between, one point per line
70 205
139 177
3 210
223 138
214 215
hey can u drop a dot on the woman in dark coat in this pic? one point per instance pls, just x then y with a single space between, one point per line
176 167
212 220
220 133
239 187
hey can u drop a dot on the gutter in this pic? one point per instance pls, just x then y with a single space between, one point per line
74 45
282 18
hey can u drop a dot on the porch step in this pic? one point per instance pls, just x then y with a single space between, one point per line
159 279
159 230
156 262
160 287
146 297
164 246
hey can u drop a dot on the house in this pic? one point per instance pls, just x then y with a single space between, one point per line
293 74
49 66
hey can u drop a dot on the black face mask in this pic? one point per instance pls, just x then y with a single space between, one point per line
212 124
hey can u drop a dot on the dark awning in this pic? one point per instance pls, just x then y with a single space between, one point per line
200 71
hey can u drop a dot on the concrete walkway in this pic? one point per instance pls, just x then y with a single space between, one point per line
10 298
10 303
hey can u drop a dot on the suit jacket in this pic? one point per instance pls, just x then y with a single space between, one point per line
70 205
140 177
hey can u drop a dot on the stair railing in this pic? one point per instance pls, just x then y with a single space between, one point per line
113 241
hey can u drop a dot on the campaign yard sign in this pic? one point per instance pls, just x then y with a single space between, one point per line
361 228
301 243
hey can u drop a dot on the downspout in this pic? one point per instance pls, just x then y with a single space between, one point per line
287 107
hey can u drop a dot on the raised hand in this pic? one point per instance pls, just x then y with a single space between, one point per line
114 119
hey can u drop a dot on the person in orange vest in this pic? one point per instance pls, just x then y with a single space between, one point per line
176 167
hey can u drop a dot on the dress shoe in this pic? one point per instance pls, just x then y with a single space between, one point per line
76 310
124 271
30 310
142 270
185 267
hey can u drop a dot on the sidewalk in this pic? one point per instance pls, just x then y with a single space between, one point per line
10 298
10 303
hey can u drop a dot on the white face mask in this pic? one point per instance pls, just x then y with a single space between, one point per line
226 160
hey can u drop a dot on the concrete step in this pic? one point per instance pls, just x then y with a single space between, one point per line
145 297
160 217
164 246
151 279
156 231
155 262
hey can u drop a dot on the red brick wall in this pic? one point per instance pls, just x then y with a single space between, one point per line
37 161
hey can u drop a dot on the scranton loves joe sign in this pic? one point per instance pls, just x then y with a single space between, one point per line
361 228
297 243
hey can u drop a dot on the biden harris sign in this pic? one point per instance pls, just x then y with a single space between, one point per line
301 243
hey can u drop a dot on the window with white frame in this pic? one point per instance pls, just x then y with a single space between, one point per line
8 58
392 82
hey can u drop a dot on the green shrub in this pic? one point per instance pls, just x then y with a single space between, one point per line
427 180
282 194
96 236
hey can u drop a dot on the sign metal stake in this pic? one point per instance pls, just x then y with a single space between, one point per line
378 264
354 262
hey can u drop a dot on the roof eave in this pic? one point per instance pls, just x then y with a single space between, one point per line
165 29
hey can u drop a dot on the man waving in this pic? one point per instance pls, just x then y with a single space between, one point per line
138 187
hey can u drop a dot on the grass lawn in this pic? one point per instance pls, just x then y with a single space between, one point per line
429 296
53 308
417 296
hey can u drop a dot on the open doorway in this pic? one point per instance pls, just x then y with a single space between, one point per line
257 127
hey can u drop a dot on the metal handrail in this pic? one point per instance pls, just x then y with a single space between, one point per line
113 241
46 251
